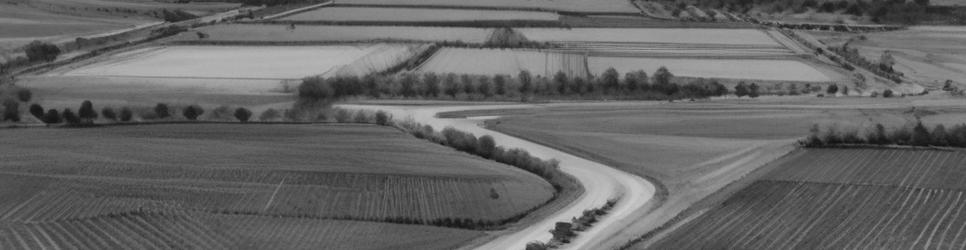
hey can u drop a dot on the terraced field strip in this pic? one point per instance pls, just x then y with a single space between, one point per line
505 61
415 14
282 33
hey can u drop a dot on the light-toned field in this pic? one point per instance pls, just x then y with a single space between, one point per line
504 61
240 62
614 6
839 198
416 14
327 33
929 55
248 176
779 70
651 35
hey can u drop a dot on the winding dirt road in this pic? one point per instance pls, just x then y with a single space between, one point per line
600 182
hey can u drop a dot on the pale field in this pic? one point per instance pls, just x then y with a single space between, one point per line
235 62
651 35
503 61
615 6
777 70
415 14
327 33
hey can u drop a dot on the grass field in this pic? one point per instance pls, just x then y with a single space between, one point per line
840 198
327 33
608 6
504 61
415 14
104 179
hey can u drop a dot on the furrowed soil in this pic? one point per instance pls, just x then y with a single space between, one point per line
229 186
839 198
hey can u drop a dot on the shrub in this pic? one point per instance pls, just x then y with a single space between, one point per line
887 93
70 117
486 146
52 117
11 110
37 111
223 113
24 95
832 89
382 118
243 114
86 112
161 110
342 116
361 117
536 245
741 89
270 115
753 90
126 114
108 113
41 51
192 112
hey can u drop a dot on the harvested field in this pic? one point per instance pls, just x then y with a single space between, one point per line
415 14
651 35
608 6
504 61
326 33
254 171
245 62
778 70
839 198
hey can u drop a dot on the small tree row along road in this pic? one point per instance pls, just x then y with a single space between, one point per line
600 182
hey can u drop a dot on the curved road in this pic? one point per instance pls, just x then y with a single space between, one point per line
600 182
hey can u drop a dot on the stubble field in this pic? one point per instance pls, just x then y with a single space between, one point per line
415 14
151 185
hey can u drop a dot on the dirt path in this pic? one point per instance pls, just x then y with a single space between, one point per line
600 182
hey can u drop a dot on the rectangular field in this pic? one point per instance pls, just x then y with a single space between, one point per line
651 35
329 33
154 176
243 62
504 61
756 69
838 199
606 6
415 14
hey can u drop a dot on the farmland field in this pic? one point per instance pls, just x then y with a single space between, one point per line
415 14
286 177
651 35
840 198
779 70
241 62
504 61
328 33
607 6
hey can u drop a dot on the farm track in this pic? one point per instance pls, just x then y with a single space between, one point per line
600 182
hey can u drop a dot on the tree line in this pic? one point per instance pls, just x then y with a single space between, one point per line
636 85
914 135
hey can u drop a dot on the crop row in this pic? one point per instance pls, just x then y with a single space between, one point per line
115 232
802 215
901 167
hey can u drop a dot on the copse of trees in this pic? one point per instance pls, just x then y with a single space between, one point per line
911 135
243 114
192 112
635 86
41 51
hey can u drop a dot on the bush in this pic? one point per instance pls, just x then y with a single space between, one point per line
887 93
70 117
161 110
342 116
108 113
222 113
382 118
192 112
536 245
126 114
37 111
52 117
11 110
486 146
24 95
361 117
270 115
243 114
41 51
